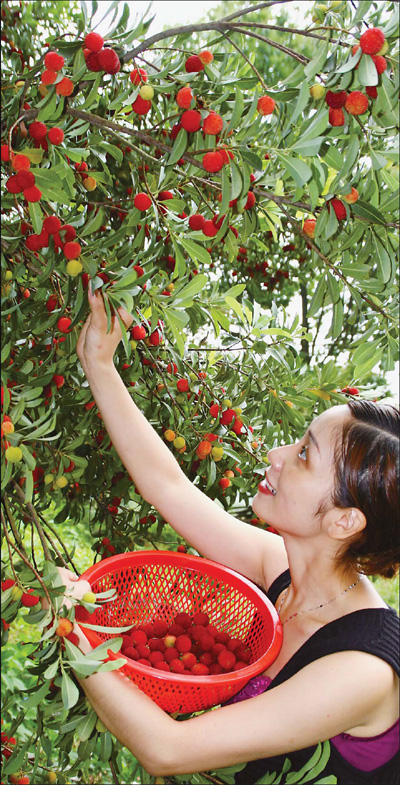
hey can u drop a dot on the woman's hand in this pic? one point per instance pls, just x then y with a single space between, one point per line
75 588
95 346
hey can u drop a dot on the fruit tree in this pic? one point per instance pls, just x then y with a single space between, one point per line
233 183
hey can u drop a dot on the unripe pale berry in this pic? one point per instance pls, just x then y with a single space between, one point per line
74 267
13 454
146 92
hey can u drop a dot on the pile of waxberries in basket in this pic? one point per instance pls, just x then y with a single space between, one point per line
191 646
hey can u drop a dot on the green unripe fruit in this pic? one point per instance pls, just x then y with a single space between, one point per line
89 596
180 398
317 92
179 442
8 275
16 593
100 727
51 777
74 267
133 344
146 92
48 478
265 459
384 48
193 377
217 453
13 454
61 482
227 402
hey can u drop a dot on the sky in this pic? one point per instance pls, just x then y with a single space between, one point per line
181 12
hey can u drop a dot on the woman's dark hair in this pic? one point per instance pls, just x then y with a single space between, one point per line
367 477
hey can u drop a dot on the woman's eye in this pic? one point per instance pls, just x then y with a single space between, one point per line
303 452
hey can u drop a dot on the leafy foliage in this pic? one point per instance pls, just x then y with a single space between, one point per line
258 316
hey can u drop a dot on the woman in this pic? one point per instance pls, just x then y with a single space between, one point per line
333 497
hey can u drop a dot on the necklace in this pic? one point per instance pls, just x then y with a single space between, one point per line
316 607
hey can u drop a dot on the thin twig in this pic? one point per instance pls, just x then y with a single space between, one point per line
301 58
241 52
35 520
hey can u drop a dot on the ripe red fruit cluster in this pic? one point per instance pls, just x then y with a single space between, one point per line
193 64
339 208
190 645
141 106
24 180
99 58
7 742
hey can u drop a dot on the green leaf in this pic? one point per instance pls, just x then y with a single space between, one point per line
105 746
235 307
337 319
318 124
298 170
383 261
196 252
366 210
85 725
36 215
367 73
352 151
308 146
237 110
315 65
333 158
48 109
93 224
36 697
69 692
236 181
378 160
350 63
179 147
93 94
193 287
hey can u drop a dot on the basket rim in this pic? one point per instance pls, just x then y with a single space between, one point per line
101 568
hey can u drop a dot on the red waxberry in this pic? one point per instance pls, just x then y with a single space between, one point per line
227 416
13 186
176 666
109 61
183 619
140 106
55 135
171 653
65 87
7 584
143 651
251 200
206 57
32 194
25 180
72 250
92 62
356 103
351 390
21 163
94 42
372 92
336 100
5 153
138 332
336 117
200 669
68 233
182 385
29 599
188 659
48 77
213 124
164 195
156 656
37 130
201 618
183 643
372 41
209 229
193 64
191 120
53 61
184 97
213 162
196 222
138 76
139 270
138 636
160 628
52 224
380 63
265 105
142 201
64 324
339 208
33 243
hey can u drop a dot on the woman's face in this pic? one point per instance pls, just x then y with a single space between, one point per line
301 476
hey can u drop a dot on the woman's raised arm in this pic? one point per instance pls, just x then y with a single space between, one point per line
207 527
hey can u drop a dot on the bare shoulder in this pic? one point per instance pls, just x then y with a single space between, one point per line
274 558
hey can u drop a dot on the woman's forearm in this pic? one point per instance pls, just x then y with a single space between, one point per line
133 718
143 453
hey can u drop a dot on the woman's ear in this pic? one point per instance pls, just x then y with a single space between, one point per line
344 522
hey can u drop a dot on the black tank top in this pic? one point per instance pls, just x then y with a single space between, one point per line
373 630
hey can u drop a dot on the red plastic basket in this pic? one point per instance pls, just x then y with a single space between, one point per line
162 584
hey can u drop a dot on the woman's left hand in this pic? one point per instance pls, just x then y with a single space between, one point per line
75 588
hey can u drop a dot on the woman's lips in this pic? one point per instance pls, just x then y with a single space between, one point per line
263 488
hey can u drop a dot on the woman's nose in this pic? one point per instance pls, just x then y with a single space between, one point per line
277 455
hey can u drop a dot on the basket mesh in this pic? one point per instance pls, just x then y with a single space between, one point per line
155 589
